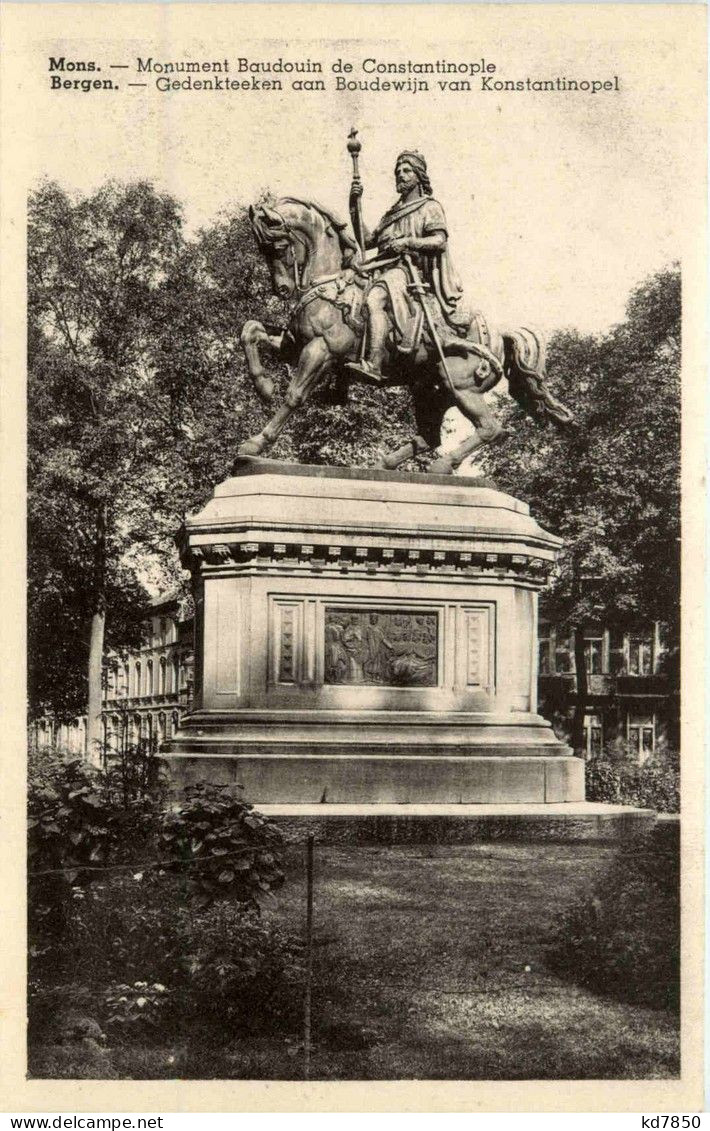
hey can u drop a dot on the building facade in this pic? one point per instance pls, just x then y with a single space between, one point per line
145 692
631 703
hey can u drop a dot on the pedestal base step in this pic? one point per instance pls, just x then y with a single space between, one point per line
460 824
382 779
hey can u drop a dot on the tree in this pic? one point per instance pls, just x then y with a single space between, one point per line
609 486
97 423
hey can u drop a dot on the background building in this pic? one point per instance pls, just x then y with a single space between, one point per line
145 692
631 702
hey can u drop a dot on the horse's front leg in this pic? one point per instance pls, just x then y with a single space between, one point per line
253 333
313 363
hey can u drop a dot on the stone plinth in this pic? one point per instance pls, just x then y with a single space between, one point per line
465 824
368 637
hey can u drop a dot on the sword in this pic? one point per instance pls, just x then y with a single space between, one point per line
418 288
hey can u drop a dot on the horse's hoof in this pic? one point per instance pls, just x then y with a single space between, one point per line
387 463
440 467
251 447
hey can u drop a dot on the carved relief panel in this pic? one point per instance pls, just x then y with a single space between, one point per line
381 647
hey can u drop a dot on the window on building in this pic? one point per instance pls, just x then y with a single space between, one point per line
641 734
641 653
162 676
593 734
149 677
544 663
564 653
593 652
137 689
161 727
617 651
176 674
176 721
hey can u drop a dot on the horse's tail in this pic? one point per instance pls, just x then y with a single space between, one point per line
524 368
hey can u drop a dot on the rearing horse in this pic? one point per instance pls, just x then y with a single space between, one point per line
314 260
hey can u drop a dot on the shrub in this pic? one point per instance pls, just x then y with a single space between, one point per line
134 1010
619 779
219 965
241 973
123 929
136 894
76 825
624 938
224 848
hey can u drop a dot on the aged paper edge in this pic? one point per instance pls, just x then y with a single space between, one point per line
20 1094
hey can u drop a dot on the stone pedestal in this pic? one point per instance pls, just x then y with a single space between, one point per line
368 637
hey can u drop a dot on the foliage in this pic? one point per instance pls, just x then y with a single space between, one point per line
624 938
82 820
225 847
133 773
240 971
124 929
98 426
610 485
221 966
74 828
654 784
80 817
133 1010
176 938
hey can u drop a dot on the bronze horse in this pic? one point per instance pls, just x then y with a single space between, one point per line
313 260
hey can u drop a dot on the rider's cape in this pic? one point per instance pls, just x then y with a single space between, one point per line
420 217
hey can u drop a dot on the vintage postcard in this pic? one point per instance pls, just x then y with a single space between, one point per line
353 408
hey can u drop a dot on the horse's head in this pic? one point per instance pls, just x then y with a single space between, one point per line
299 240
285 251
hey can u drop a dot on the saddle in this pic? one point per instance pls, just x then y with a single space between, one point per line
348 291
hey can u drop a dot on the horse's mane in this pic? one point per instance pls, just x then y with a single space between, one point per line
348 244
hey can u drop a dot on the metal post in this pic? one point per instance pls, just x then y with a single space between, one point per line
309 960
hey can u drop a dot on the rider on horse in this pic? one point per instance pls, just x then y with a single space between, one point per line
414 225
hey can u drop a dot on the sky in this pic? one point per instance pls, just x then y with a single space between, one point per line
557 204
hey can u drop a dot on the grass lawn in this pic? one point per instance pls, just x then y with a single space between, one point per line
429 964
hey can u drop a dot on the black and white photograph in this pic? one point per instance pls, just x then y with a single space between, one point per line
353 431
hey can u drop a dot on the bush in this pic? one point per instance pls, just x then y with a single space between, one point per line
240 973
77 825
218 966
624 938
223 847
157 906
123 929
135 1010
620 780
136 894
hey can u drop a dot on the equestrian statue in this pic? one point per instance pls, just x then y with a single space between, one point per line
395 318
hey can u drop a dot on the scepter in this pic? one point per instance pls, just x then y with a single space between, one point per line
354 147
